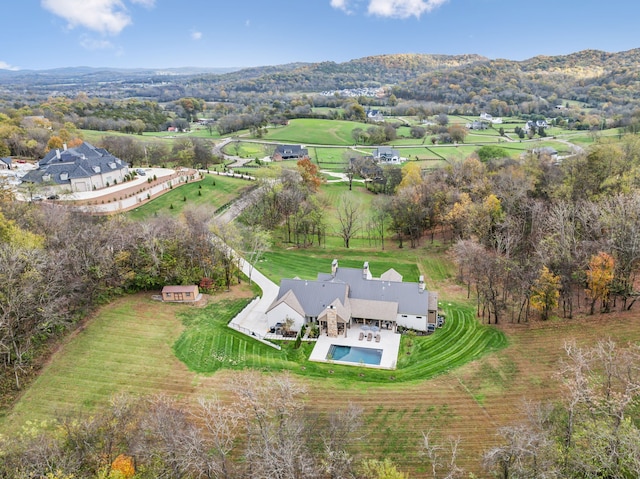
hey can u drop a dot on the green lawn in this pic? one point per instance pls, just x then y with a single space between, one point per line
245 149
314 131
208 345
126 347
198 193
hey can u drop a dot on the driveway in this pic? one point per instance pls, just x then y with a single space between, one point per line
253 319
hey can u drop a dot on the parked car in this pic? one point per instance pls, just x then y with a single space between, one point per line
37 198
53 197
431 328
141 172
440 321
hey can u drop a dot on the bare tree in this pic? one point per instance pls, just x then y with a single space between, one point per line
343 429
276 445
349 218
442 458
255 241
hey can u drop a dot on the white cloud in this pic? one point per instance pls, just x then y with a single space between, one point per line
6 66
402 8
340 4
104 16
196 35
247 23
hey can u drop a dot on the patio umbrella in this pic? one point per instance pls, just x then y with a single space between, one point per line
364 327
375 329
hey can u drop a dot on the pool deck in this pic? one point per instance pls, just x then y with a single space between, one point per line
389 343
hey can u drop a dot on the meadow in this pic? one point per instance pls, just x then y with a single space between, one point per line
464 381
313 131
214 191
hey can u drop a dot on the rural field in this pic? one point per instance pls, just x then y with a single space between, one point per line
133 345
466 380
319 132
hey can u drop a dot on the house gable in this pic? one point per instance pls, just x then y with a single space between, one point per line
351 293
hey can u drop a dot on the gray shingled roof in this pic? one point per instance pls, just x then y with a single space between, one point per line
407 295
391 275
290 299
369 309
84 161
313 296
291 151
343 311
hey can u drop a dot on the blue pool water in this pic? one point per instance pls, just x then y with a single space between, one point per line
353 354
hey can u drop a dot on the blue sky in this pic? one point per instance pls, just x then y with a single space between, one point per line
41 34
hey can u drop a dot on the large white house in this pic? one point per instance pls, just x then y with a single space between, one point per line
345 296
84 168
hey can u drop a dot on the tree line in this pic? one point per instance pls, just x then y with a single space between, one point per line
56 266
264 430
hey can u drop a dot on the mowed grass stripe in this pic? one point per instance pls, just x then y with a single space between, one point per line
208 345
121 349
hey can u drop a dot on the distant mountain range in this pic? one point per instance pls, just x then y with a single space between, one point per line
593 77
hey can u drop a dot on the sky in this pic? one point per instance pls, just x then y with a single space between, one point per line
43 34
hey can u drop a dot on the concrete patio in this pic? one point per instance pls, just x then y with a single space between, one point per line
389 343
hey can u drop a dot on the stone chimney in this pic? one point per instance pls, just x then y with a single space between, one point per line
64 145
421 284
332 322
334 267
57 153
366 274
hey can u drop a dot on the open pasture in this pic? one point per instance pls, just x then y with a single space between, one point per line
313 131
466 380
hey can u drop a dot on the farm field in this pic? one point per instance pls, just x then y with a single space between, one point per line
468 401
311 131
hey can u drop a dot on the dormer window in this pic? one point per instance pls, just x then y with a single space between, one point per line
46 177
112 165
96 169
64 176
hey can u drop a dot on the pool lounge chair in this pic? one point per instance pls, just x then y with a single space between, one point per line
377 338
361 337
369 336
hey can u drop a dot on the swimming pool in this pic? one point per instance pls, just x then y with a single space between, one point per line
353 354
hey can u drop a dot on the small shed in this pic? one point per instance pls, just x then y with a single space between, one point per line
187 293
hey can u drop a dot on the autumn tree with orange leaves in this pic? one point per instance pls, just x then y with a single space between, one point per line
309 173
599 279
